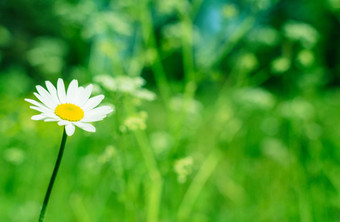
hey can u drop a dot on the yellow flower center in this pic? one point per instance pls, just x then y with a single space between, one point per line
69 112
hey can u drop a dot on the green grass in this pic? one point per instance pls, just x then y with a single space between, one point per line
249 164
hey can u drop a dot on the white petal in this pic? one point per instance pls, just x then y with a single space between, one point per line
42 91
42 109
102 110
63 122
52 91
51 119
72 91
70 128
78 95
85 95
93 102
86 126
46 100
93 119
97 114
61 91
36 103
39 117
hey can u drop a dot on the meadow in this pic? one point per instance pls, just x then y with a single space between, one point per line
224 110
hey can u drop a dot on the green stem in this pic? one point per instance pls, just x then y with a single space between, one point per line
197 185
54 175
189 76
156 180
234 38
149 37
155 191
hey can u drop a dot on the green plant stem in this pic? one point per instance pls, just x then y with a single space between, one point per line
197 185
148 33
234 38
155 191
54 175
156 180
179 119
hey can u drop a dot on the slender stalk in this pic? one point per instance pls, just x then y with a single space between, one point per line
54 175
156 182
154 193
197 185
148 33
189 76
234 38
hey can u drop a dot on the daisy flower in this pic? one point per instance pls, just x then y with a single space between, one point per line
70 108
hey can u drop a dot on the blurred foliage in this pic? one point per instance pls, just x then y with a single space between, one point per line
225 110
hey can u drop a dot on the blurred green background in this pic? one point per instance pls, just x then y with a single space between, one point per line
225 110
